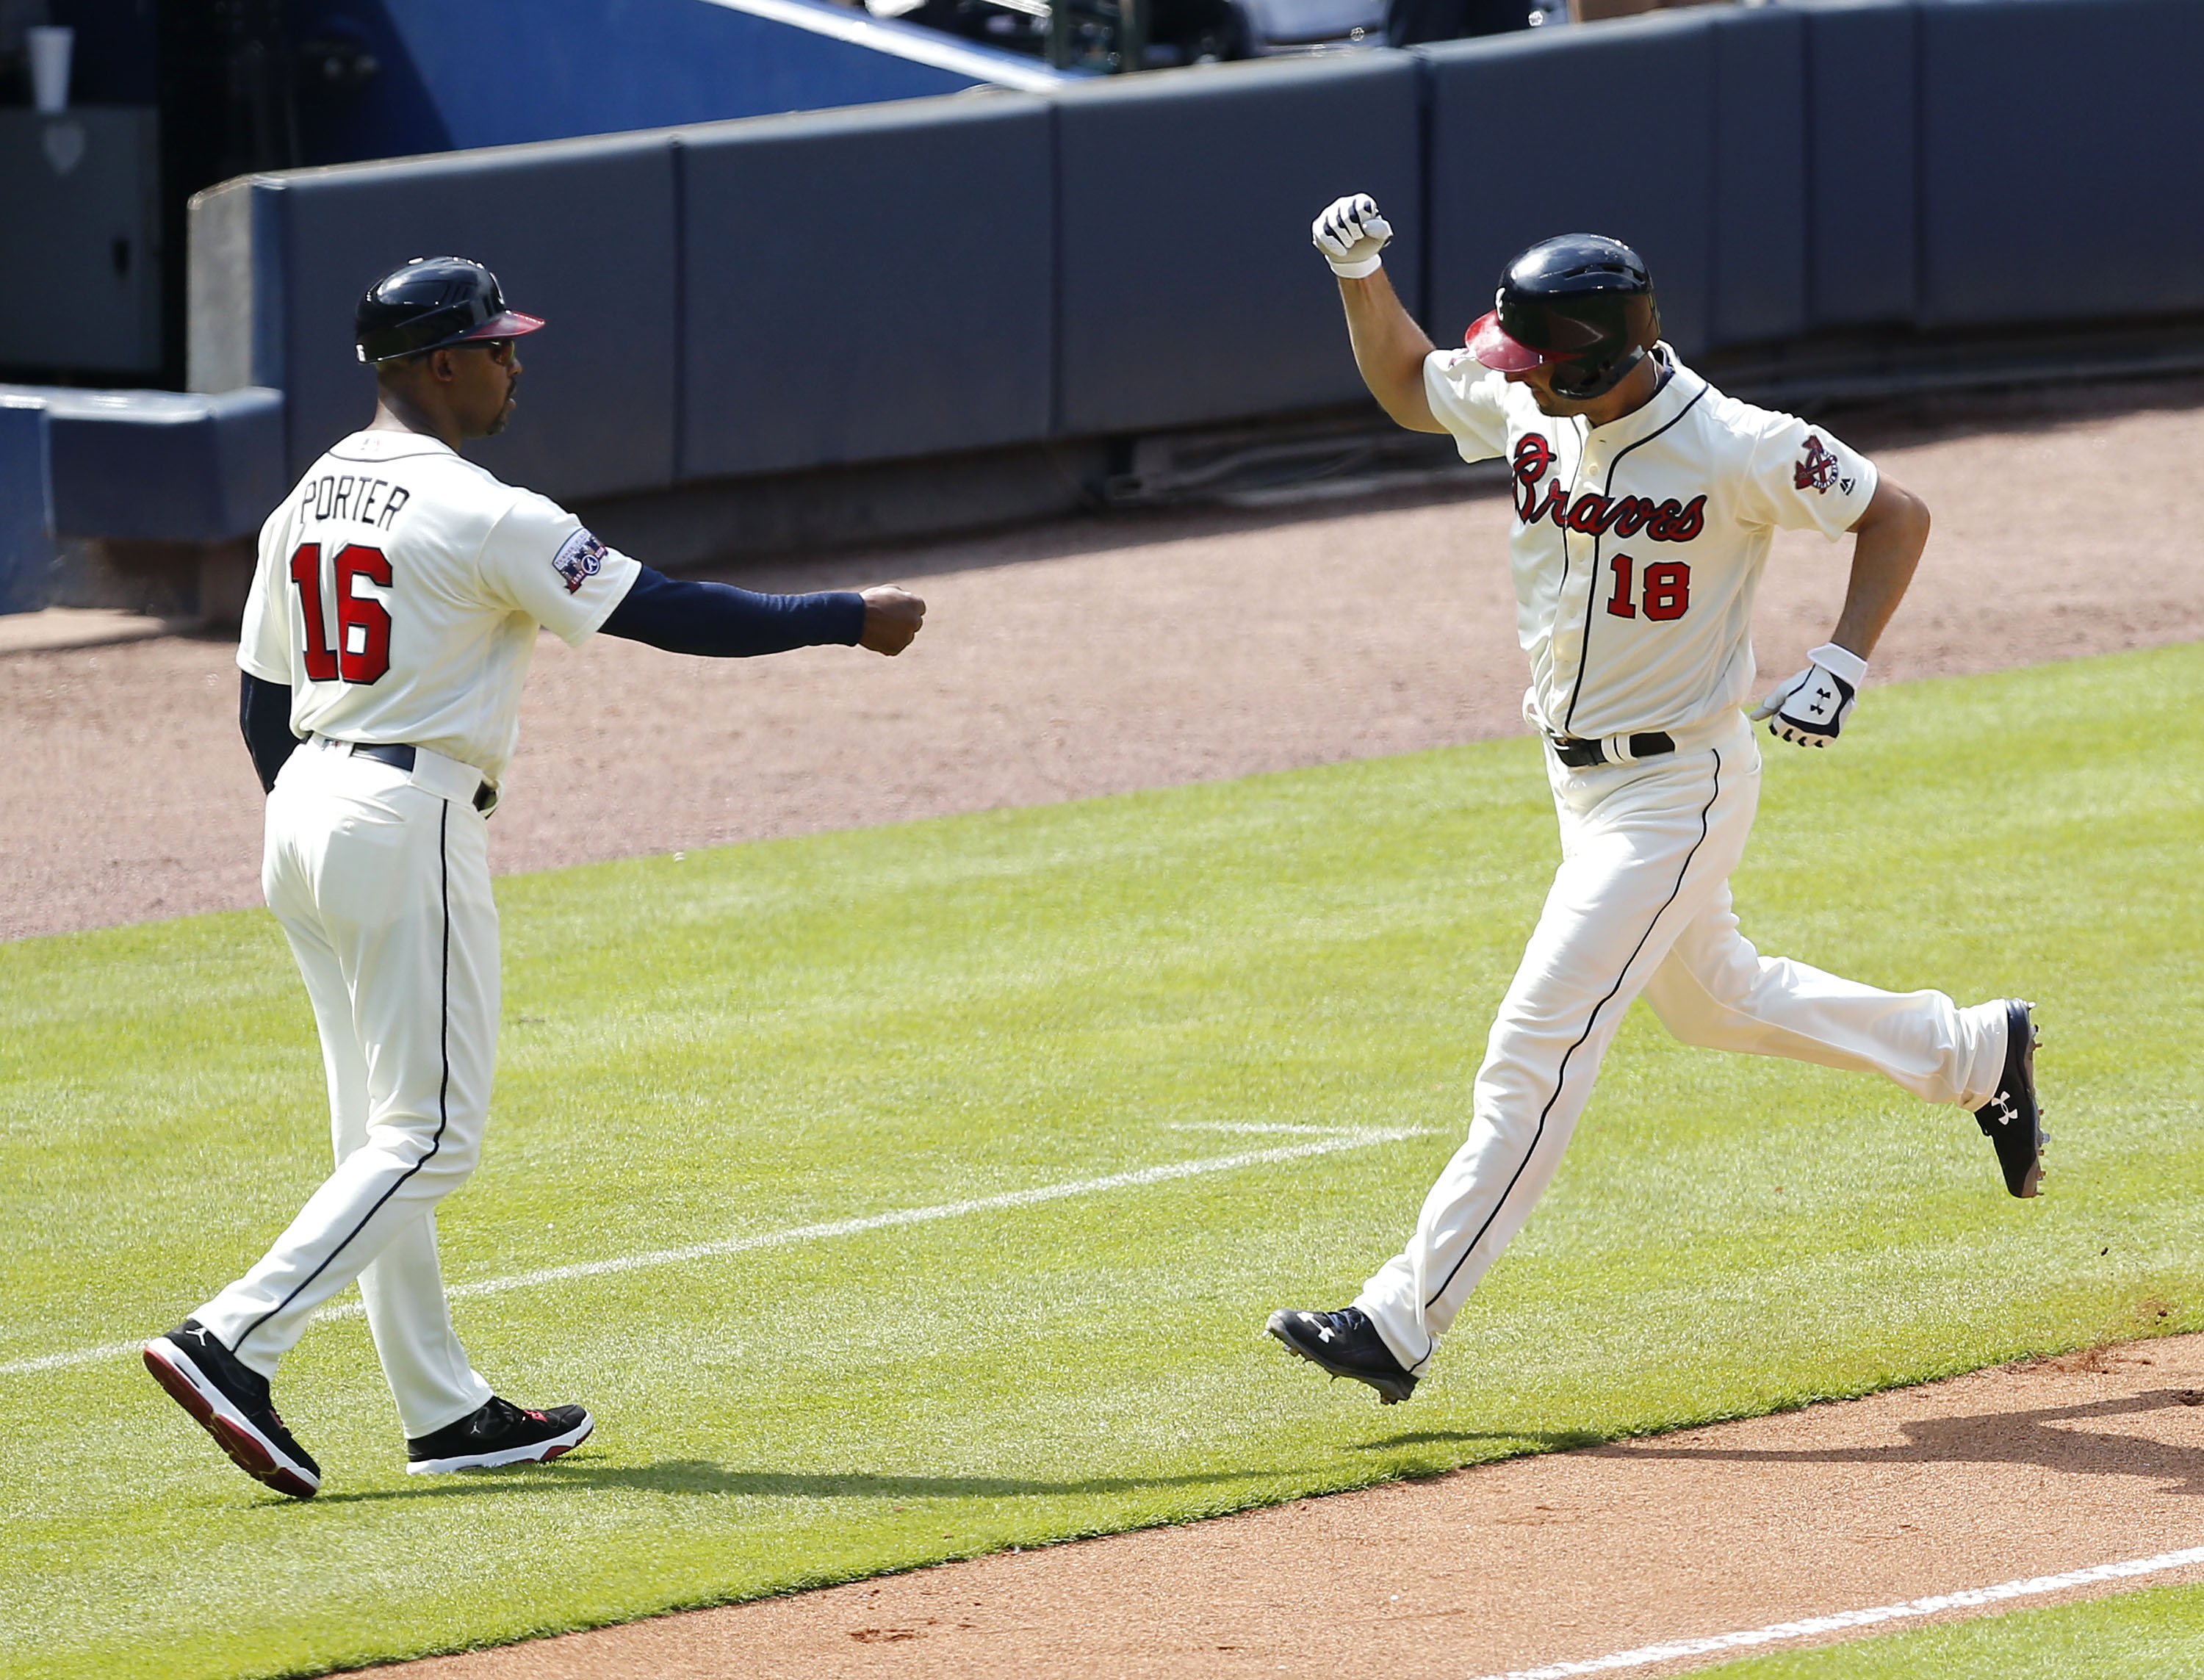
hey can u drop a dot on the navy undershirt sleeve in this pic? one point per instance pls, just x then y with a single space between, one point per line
720 621
264 718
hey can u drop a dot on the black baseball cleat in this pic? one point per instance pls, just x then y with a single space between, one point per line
2012 1120
501 1433
1346 1344
229 1400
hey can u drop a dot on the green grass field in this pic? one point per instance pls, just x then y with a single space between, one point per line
740 1044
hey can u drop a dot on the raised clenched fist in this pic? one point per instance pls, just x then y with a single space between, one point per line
1810 709
1350 234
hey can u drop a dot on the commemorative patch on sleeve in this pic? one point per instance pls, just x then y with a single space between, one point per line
580 558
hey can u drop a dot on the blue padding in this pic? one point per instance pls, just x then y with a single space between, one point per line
1190 292
163 464
578 232
1861 162
2062 151
26 538
865 284
1519 153
1760 195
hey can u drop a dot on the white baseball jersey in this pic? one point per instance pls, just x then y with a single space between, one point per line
399 591
1638 544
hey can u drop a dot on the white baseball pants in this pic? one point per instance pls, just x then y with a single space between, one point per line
380 880
1641 903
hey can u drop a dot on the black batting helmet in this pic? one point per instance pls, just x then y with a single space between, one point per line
1581 304
430 303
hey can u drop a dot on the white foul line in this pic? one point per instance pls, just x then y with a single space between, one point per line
1334 1141
1780 1631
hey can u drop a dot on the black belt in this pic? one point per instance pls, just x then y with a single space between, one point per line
399 756
1583 754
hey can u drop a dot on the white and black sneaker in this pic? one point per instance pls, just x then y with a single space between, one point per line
2012 1121
229 1400
1346 1344
501 1433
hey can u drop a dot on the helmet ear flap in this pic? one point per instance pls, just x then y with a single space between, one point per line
1642 316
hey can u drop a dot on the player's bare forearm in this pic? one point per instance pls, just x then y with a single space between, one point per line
1889 541
1389 348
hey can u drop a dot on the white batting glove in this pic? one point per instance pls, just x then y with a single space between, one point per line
1810 709
1350 234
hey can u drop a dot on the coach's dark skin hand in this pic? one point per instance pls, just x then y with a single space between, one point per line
892 617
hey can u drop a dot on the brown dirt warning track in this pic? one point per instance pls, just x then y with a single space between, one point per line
1097 655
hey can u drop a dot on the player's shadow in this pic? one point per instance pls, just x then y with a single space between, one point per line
701 1478
2017 1438
1542 1440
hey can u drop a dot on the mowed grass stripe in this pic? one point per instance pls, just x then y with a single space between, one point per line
726 1246
778 1036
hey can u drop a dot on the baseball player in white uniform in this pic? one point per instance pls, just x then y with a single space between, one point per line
1645 504
385 639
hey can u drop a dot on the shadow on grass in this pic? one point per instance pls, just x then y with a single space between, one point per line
1545 1440
701 1477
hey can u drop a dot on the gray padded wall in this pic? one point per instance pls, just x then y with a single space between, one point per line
165 465
26 533
1132 255
1861 160
578 232
1518 153
865 284
2062 149
1758 289
1189 291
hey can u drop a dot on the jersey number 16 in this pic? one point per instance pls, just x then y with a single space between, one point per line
363 651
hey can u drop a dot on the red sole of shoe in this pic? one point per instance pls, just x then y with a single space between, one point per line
243 1450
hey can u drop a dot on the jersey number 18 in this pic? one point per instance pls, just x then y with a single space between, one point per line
363 651
1667 589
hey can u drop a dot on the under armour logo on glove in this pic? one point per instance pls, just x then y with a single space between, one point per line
1810 709
1350 234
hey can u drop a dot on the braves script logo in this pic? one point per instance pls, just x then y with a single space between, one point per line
1670 521
579 558
1817 467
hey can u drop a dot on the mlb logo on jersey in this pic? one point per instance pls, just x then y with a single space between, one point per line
579 558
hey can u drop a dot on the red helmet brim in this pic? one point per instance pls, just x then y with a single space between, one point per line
510 325
1495 349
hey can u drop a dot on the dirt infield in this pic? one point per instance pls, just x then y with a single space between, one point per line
1096 655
